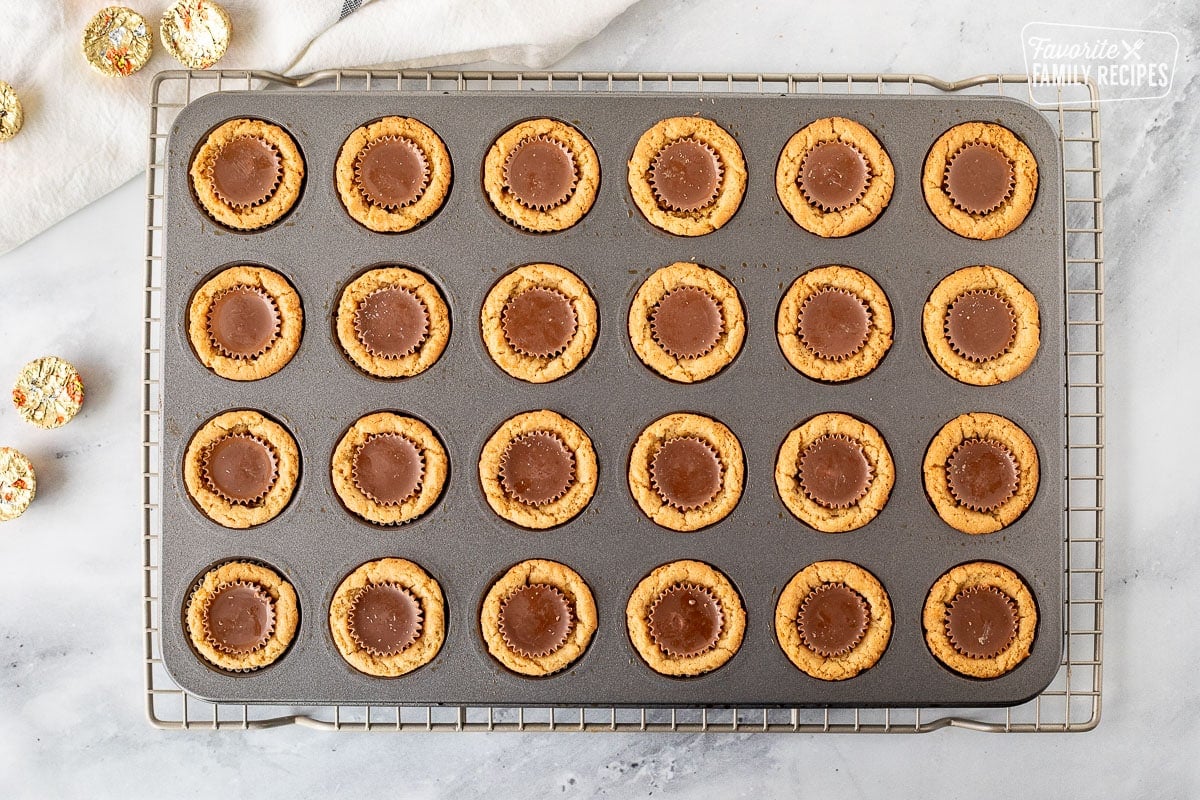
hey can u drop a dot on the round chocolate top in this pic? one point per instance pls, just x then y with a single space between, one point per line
239 468
687 322
239 618
535 620
833 619
981 622
686 473
686 175
834 471
243 322
979 178
834 323
982 474
540 173
538 322
537 468
391 322
245 171
981 325
833 176
686 620
385 619
392 172
388 468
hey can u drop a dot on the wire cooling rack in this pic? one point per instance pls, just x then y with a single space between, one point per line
1071 702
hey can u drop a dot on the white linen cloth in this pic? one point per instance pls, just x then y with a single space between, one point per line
85 133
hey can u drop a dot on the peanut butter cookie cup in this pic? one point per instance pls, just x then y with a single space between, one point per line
981 472
980 180
241 468
685 618
834 177
538 470
687 175
539 322
981 326
242 616
834 473
388 617
538 618
245 323
392 322
393 174
980 619
542 175
833 620
834 324
247 174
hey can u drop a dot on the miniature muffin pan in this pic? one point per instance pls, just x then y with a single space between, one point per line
464 249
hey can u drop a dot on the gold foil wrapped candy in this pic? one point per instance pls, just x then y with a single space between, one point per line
195 32
11 115
117 41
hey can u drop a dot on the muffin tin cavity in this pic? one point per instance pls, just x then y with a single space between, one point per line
495 401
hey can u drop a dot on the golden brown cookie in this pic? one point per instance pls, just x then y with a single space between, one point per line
687 322
393 174
686 471
981 472
242 616
980 180
834 177
687 175
389 468
685 618
392 322
542 175
539 322
241 468
833 620
248 174
538 470
538 618
980 619
245 323
834 324
981 326
388 617
834 473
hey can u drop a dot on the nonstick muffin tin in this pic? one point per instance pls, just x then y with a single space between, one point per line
464 249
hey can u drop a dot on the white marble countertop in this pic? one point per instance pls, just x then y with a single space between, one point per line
71 718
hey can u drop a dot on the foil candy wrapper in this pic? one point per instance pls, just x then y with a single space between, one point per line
195 32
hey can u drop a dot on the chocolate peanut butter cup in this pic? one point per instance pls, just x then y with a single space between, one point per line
392 172
834 323
243 322
833 619
982 474
686 472
239 468
834 471
388 468
391 322
537 468
981 325
686 175
385 619
246 171
833 175
687 322
539 322
981 622
979 178
540 173
535 620
686 621
239 618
